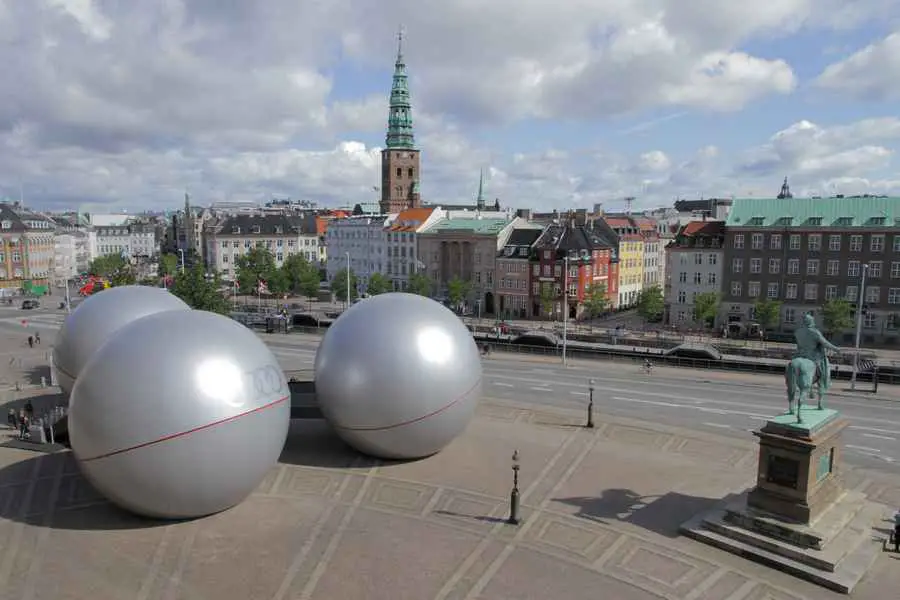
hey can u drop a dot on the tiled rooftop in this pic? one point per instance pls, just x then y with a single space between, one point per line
854 211
483 226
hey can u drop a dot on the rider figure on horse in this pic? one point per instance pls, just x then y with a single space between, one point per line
812 345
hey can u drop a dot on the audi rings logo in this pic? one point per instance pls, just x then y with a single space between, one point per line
266 381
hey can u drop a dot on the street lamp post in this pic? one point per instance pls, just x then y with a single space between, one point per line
565 314
514 495
348 279
68 297
860 302
590 420
181 252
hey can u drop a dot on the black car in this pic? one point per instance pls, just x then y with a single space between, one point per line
30 304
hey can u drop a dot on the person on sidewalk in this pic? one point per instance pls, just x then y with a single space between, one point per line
31 341
37 338
897 537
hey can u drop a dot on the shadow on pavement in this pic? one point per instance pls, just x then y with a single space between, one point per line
48 491
313 443
660 514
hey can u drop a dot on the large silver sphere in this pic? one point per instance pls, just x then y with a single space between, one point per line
398 376
97 318
181 414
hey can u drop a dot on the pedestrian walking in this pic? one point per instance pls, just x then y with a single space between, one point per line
37 338
897 538
12 420
29 409
31 341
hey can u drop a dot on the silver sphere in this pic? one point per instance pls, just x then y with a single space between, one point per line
181 414
93 322
398 376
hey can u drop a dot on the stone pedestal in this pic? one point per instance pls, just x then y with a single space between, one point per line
799 466
799 518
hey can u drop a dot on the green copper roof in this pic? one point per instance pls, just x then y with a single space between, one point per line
485 226
854 211
400 124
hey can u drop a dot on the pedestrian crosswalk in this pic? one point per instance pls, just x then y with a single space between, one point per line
33 321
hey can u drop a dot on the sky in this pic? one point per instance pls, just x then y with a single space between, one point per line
110 105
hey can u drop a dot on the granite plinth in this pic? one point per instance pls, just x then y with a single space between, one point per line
844 546
813 418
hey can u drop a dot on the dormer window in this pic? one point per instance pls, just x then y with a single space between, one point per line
878 220
523 252
6 225
255 229
844 221
279 229
235 229
815 221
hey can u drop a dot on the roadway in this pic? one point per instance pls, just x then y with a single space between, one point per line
680 397
666 396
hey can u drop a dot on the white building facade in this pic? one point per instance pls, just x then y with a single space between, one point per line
402 245
364 239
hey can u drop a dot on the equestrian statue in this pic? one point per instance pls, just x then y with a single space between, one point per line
809 366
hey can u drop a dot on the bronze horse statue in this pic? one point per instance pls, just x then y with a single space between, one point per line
803 379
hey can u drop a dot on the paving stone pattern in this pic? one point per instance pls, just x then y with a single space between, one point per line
601 510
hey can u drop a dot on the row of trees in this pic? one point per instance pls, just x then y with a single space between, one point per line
837 314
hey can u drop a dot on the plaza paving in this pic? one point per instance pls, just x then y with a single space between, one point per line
601 510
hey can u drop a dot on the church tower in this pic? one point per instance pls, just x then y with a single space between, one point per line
400 157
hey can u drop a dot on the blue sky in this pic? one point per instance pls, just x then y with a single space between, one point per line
112 104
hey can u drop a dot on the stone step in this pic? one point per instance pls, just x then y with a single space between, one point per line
843 579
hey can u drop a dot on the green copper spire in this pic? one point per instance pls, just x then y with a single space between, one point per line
479 201
400 124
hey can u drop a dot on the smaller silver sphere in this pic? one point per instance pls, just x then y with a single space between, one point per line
93 322
398 376
181 414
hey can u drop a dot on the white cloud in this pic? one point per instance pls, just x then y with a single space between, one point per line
871 73
130 103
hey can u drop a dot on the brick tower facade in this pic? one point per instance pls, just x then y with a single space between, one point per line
400 157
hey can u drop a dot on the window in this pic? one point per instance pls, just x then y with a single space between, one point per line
682 277
851 293
756 241
774 266
790 315
711 279
739 241
682 297
897 243
753 289
873 294
775 241
831 292
833 267
894 296
855 243
712 259
876 242
853 268
736 289
772 291
698 278
755 265
895 269
790 291
811 291
793 266
875 269
812 266
814 242
795 242
737 265
869 321
698 259
834 243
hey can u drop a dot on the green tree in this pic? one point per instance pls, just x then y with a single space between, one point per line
199 291
292 270
378 284
651 304
768 313
339 285
310 282
168 265
596 299
419 284
457 290
837 315
706 307
258 264
547 298
114 268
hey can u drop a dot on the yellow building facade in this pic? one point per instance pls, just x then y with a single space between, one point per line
26 248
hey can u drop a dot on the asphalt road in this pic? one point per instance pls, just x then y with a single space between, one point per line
872 439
